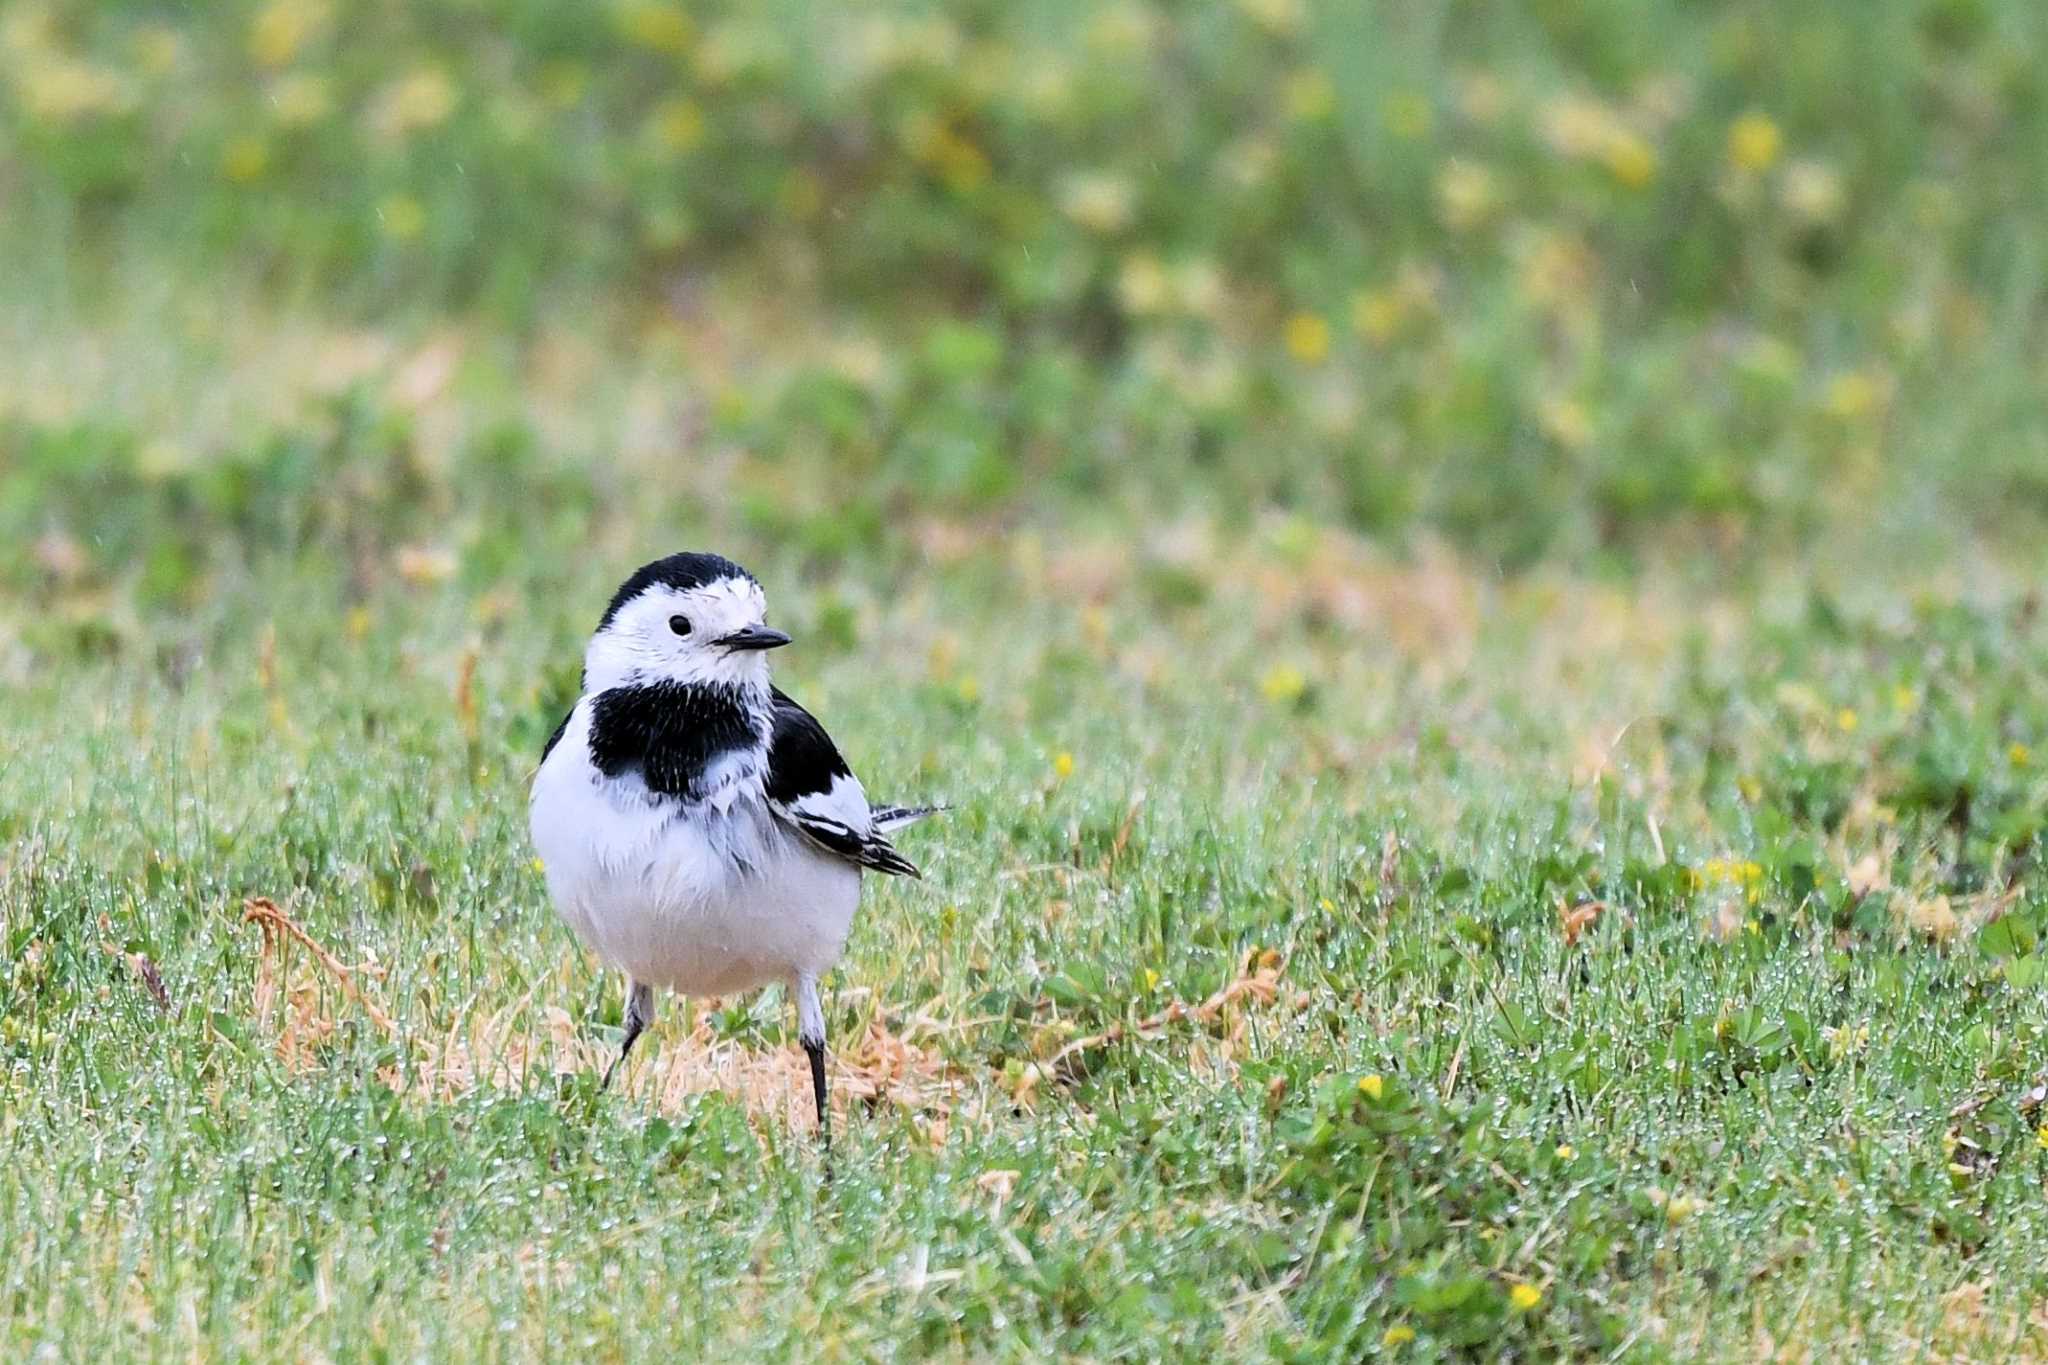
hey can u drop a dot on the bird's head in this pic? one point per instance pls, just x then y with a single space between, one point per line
689 618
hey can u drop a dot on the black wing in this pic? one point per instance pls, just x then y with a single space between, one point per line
810 786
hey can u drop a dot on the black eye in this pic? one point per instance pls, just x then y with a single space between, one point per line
679 624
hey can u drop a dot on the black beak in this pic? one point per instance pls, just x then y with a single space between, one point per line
753 637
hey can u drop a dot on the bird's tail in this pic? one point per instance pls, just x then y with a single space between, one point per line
889 819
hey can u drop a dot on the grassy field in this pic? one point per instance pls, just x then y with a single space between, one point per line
1470 574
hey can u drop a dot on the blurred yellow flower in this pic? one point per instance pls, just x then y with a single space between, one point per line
1578 127
1846 720
157 48
1063 765
1098 200
421 99
1400 1334
562 84
1283 685
61 89
1630 160
1556 270
401 217
676 125
245 158
2019 755
2041 1137
1466 195
1198 287
1481 97
1122 30
297 100
1565 1151
1372 1087
802 194
659 28
1142 285
1524 1296
1565 421
1282 17
1308 338
283 27
1811 191
1408 115
1310 96
1854 395
1377 314
1754 142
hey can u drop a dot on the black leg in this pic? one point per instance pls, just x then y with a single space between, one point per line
639 1014
816 1048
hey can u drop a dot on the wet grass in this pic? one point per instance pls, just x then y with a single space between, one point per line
1716 1115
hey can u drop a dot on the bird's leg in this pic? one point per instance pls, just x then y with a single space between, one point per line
639 1014
810 1031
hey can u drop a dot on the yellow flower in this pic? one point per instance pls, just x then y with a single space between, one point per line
298 100
1284 684
969 688
1308 338
1149 979
659 28
1565 421
2041 1137
401 217
562 84
282 27
1377 314
2019 755
1855 395
1466 195
245 159
1812 191
1400 1334
420 99
1754 142
1311 97
1630 160
1372 1087
1408 115
1524 1296
157 48
1282 17
1098 201
62 89
1142 284
676 125
1565 1151
1847 720
1063 765
539 866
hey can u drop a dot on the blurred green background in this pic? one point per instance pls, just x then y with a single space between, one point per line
1576 278
1505 534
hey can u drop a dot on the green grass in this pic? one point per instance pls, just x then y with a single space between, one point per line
1468 572
1720 1120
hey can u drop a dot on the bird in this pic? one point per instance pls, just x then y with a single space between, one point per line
698 829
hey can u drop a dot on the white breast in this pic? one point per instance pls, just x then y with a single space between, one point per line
709 898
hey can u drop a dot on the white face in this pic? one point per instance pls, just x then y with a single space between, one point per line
668 636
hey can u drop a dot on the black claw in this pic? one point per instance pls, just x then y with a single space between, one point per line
817 1053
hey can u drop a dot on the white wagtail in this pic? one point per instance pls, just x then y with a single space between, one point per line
698 828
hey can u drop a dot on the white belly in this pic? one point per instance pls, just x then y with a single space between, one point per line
716 899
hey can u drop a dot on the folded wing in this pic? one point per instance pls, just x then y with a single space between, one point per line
810 786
